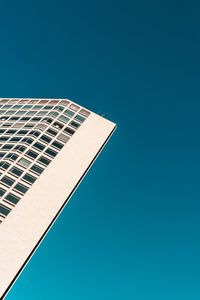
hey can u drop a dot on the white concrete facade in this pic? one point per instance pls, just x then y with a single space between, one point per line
26 225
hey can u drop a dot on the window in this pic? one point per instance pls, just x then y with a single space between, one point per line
14 156
57 145
64 102
4 118
23 162
29 178
69 130
37 169
20 112
25 119
27 106
53 113
14 118
29 141
15 139
17 106
74 124
53 132
12 198
37 106
21 188
58 125
35 119
7 106
11 131
44 160
41 113
63 137
45 138
2 130
59 108
7 147
74 107
4 138
31 112
23 132
47 107
11 112
20 148
51 152
4 210
39 146
32 154
69 112
79 118
2 154
64 119
2 192
7 180
84 112
16 171
4 165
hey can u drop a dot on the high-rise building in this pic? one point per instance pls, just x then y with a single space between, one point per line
46 148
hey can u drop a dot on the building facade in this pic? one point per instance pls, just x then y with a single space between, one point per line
46 148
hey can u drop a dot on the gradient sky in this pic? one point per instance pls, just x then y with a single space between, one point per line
131 230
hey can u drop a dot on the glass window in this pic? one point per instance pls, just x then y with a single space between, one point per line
64 102
25 119
12 198
4 138
37 169
15 139
74 107
53 113
7 106
39 146
35 119
7 180
2 192
47 107
11 131
21 112
7 147
37 106
74 124
23 132
4 165
2 130
57 145
14 118
4 210
14 156
61 108
79 118
53 132
2 111
4 118
69 130
11 112
16 171
64 119
31 112
34 101
84 112
32 154
44 101
45 138
27 106
21 188
41 113
17 106
44 160
29 141
29 178
51 152
58 125
69 112
20 148
63 137
23 162
2 154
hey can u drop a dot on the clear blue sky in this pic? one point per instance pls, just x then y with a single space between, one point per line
132 229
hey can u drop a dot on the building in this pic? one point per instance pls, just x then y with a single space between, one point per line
46 148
